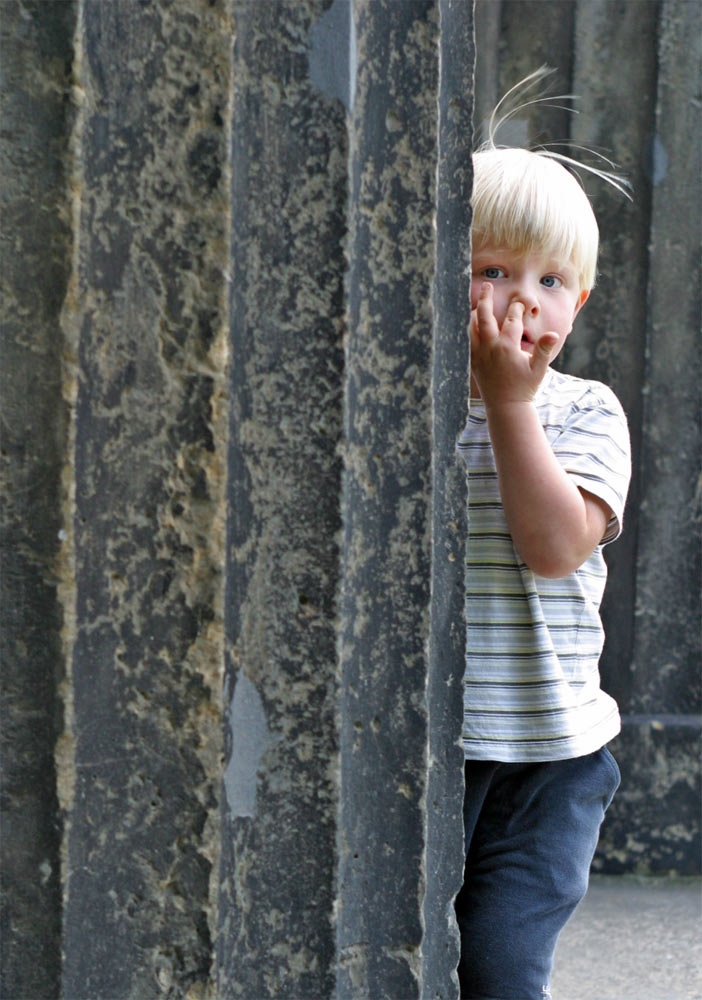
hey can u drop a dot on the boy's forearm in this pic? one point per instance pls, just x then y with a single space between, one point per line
554 525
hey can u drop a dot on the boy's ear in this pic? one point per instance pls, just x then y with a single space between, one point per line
582 299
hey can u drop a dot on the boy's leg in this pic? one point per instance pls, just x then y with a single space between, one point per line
527 867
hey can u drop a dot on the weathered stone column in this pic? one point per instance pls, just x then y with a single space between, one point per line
36 49
444 847
281 786
404 523
236 370
145 346
341 847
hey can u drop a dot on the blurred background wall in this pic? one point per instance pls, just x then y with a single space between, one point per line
635 67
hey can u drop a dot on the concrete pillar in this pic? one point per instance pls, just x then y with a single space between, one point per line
341 665
145 331
404 522
281 787
243 615
36 45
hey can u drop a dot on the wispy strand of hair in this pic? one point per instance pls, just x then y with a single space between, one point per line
523 87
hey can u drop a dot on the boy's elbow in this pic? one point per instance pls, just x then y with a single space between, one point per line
550 569
553 570
559 551
556 564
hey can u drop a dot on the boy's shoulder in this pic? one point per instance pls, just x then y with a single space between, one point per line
573 393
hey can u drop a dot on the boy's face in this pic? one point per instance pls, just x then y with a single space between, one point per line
548 288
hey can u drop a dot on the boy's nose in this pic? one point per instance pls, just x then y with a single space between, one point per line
528 299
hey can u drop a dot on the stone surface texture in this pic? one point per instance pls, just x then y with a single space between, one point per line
36 46
145 338
289 193
236 367
402 558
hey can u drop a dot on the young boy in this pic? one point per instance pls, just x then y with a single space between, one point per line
549 465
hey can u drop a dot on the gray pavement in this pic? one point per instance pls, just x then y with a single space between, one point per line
633 939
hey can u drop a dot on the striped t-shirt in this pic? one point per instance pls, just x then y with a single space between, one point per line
532 684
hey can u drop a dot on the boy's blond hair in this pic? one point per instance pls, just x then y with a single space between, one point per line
528 202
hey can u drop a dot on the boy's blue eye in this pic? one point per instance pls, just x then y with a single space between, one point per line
492 272
551 281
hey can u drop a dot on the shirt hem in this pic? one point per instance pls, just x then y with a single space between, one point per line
526 751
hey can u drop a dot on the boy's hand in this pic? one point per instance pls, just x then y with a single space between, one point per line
503 370
554 524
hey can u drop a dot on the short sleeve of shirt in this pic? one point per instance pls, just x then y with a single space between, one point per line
593 447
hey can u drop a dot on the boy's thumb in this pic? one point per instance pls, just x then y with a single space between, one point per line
546 344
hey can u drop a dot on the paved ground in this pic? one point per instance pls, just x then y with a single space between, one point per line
633 939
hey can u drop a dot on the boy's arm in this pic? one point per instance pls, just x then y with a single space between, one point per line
554 524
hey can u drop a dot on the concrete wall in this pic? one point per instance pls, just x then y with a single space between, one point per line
234 364
636 67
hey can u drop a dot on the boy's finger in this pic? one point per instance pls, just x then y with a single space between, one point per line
513 324
485 318
484 304
546 343
543 348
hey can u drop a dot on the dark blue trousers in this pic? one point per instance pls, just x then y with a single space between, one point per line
531 832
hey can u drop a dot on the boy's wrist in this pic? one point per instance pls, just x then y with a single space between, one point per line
508 408
506 388
514 427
